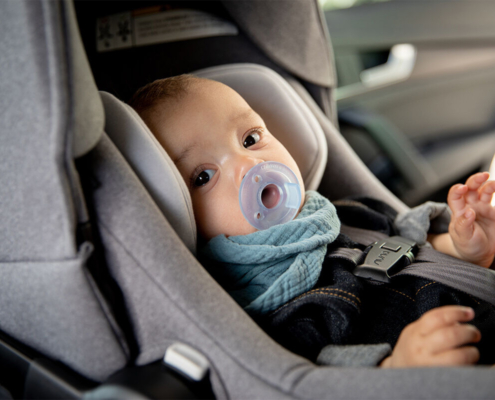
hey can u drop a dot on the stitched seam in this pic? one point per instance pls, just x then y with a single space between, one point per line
323 290
343 291
318 291
476 300
403 294
342 297
422 287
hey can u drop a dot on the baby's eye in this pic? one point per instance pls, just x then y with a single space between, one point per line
252 138
204 177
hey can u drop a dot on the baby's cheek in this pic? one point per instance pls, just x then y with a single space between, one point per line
217 216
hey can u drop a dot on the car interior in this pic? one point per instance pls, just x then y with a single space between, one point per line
415 95
102 296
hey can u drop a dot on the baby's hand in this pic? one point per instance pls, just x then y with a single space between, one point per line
437 339
472 227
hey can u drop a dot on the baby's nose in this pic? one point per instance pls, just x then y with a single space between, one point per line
245 165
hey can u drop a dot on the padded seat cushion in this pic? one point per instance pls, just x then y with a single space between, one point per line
152 165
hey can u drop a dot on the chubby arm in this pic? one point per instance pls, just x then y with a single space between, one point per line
443 242
439 338
471 235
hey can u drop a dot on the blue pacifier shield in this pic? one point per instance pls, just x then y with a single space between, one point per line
269 195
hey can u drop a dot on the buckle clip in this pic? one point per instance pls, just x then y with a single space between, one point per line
386 257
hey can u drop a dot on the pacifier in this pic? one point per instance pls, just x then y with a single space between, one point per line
269 195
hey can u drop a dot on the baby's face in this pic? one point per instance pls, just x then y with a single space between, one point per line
214 138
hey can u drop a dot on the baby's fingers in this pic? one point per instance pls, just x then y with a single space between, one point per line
486 192
475 181
456 199
463 224
443 316
451 337
467 355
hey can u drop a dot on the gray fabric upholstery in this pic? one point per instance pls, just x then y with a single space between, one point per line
52 307
286 116
47 98
89 117
354 355
35 218
48 300
291 32
401 383
153 166
40 109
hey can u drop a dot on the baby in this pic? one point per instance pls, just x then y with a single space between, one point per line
214 138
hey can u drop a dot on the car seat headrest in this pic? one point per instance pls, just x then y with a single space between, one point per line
286 115
152 165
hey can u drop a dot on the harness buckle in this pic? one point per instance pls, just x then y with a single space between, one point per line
386 257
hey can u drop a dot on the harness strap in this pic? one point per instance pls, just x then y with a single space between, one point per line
465 277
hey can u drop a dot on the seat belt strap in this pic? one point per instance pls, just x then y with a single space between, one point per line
465 277
468 278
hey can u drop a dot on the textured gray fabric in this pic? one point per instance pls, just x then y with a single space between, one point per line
415 223
290 32
36 211
52 307
285 115
152 165
51 106
354 355
48 300
401 383
88 118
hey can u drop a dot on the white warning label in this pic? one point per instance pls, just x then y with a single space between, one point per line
177 25
140 29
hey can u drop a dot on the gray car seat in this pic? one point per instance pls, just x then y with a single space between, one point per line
156 294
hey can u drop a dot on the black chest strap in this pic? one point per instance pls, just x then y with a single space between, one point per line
387 258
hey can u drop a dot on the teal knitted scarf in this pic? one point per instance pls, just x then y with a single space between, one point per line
266 269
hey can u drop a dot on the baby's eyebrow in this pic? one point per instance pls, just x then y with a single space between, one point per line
180 158
243 115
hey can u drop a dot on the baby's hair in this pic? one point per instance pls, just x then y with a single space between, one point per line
151 94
